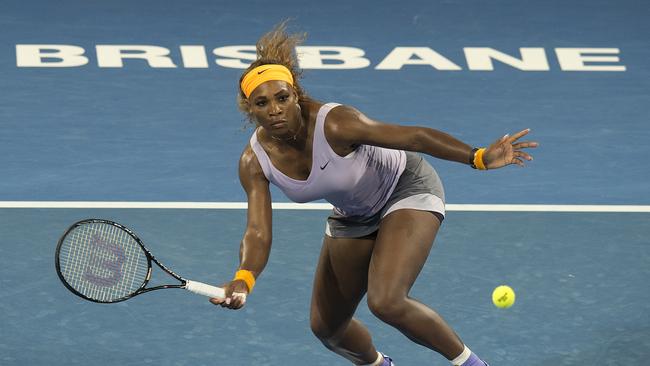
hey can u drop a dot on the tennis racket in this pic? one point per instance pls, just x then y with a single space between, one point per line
105 262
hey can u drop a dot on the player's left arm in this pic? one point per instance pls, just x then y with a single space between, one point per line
346 126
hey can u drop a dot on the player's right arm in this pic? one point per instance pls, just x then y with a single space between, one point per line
255 246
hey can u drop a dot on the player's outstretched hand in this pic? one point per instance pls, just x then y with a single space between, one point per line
507 150
236 292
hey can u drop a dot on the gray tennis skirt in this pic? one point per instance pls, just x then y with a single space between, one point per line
418 188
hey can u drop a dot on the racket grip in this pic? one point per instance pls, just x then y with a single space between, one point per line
204 289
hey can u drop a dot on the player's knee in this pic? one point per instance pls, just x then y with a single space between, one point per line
318 328
387 308
321 330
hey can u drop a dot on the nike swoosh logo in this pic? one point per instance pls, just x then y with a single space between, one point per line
259 72
324 166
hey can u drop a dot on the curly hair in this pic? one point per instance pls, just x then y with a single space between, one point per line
276 47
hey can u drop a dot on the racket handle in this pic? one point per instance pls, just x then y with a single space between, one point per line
204 289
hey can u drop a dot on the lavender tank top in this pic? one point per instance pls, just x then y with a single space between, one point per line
358 184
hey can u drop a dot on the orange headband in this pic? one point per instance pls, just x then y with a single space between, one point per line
263 74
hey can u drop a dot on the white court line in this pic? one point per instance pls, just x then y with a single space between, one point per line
315 206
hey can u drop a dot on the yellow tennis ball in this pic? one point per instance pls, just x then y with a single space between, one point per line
503 296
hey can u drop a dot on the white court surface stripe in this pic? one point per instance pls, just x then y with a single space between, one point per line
315 206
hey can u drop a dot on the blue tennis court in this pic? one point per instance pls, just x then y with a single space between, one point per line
132 106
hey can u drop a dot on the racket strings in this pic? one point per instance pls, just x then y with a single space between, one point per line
102 262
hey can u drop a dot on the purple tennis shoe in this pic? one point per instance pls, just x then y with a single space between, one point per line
387 360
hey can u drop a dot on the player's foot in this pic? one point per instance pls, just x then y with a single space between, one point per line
387 361
473 360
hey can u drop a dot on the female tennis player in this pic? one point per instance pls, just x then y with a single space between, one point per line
388 204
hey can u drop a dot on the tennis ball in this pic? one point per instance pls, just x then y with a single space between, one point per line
503 297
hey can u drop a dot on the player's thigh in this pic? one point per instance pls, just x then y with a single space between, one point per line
402 246
340 281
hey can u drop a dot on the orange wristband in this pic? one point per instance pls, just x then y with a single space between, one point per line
246 276
478 159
